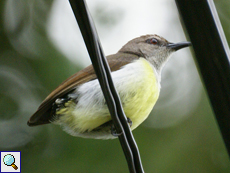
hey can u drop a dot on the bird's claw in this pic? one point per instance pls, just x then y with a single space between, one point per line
129 122
114 132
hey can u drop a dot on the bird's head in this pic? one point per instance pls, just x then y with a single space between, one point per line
154 48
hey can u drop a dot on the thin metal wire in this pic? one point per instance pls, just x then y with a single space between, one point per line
129 135
212 55
102 71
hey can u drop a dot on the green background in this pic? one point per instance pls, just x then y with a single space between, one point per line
29 71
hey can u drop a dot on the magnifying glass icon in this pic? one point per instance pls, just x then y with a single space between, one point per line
9 160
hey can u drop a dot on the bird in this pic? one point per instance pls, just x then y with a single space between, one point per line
78 104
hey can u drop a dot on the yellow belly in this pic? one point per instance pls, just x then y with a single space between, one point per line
137 87
140 100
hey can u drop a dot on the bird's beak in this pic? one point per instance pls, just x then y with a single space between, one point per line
177 46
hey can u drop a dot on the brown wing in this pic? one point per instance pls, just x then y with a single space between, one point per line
44 112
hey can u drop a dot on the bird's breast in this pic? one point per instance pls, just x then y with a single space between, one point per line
137 86
139 90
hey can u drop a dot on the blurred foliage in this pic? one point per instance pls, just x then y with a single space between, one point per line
224 13
31 67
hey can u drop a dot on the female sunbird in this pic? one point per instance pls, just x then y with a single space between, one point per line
78 104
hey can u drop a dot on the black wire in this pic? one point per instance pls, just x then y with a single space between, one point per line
212 56
104 76
129 135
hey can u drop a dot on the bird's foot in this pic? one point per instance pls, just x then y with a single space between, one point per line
114 132
129 122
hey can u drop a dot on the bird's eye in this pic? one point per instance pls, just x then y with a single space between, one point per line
152 41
